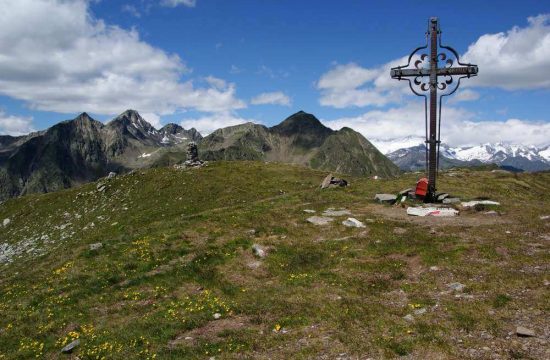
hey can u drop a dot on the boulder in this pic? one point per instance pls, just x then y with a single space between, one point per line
353 222
331 181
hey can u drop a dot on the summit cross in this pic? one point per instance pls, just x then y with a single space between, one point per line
438 79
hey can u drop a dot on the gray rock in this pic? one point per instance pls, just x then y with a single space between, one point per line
331 181
251 232
111 175
544 217
254 265
320 220
491 213
385 198
70 347
443 196
456 286
95 246
101 187
6 222
353 222
408 317
217 316
524 332
434 268
420 311
333 212
259 251
326 182
309 211
451 200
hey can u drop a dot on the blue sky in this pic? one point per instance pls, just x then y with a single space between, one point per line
209 63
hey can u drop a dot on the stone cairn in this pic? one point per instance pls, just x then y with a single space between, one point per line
193 156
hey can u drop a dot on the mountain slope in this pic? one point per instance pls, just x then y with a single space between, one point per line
408 154
299 139
77 151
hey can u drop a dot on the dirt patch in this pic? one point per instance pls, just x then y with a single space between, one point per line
212 331
414 265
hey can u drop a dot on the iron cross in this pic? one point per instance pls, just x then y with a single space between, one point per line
438 79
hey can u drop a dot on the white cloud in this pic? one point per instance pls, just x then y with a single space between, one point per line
218 83
516 59
207 124
79 63
152 119
15 125
273 98
457 129
464 95
351 85
174 3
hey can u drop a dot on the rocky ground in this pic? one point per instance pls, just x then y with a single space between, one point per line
225 261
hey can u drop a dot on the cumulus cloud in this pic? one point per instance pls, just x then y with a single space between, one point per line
351 85
273 98
79 63
516 59
152 119
207 124
15 125
174 3
458 128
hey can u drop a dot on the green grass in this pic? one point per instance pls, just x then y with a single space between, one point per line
177 249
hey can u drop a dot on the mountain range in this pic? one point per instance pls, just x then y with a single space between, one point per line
77 151
409 154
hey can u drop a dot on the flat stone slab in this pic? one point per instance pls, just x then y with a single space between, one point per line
333 212
353 222
309 211
385 197
479 202
70 347
451 200
524 332
320 220
431 211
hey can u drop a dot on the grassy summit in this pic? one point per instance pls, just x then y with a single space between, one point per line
177 252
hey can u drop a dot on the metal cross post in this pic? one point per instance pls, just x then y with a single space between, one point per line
435 73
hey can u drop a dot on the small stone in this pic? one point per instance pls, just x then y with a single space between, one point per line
251 232
544 217
486 348
254 265
399 230
326 182
434 268
385 198
259 251
188 338
432 231
441 197
408 317
320 220
101 188
217 316
70 347
353 222
95 246
524 332
6 222
456 286
111 175
309 211
491 213
420 311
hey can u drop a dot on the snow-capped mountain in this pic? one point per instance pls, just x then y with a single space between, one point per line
409 154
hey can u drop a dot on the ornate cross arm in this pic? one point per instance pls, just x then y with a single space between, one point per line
463 70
